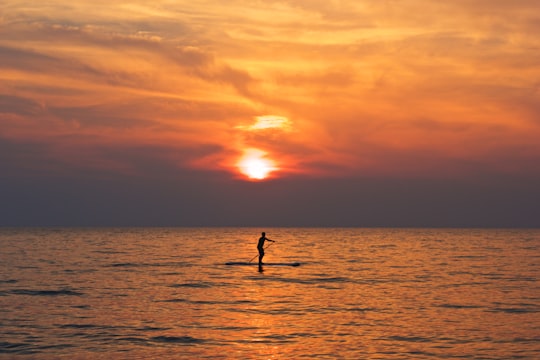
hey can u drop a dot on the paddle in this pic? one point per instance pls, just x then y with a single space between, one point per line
264 249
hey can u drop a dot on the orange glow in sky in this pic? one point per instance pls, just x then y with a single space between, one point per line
268 122
255 165
347 88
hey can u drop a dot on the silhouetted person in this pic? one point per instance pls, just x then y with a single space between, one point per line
260 247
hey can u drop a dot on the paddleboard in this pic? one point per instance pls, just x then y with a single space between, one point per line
264 264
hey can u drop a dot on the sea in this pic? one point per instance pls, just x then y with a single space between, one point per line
167 293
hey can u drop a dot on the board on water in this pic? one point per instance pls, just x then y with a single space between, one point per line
264 264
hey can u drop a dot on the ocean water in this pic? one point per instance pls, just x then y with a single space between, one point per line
358 294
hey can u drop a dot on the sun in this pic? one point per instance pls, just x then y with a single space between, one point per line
255 165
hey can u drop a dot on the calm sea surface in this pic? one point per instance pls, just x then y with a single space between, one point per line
358 294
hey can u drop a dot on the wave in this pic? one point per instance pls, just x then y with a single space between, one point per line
11 281
8 347
459 306
207 302
200 284
155 264
514 310
177 339
30 292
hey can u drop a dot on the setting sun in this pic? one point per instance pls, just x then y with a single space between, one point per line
255 165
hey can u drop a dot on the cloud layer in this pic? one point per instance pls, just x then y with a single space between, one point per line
351 89
371 87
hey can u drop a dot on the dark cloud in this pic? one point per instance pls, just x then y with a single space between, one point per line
100 117
18 58
62 68
166 160
201 199
21 159
10 104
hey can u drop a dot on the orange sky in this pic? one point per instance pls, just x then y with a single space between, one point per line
358 88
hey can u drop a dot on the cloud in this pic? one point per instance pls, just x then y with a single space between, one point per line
369 106
16 105
371 87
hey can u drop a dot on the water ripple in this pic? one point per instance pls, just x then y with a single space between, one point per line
359 294
177 339
13 348
30 292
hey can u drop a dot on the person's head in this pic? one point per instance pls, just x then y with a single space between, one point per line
263 233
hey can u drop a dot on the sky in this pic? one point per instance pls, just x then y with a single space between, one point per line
411 113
